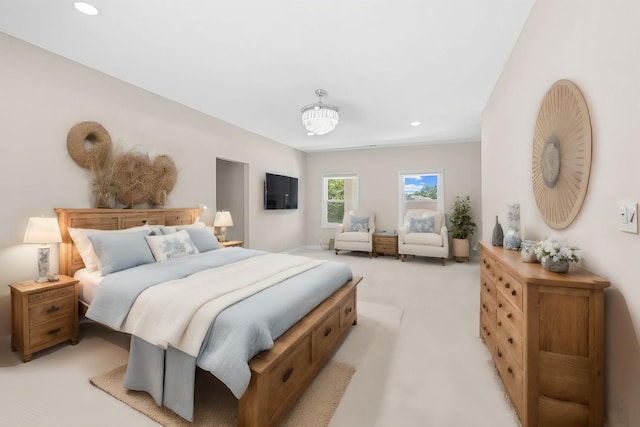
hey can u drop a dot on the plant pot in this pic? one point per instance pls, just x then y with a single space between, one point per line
460 249
556 266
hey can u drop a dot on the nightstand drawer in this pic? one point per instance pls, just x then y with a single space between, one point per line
50 310
52 332
48 295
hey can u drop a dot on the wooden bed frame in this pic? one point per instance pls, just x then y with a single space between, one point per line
280 375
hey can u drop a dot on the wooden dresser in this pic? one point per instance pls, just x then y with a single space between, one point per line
545 332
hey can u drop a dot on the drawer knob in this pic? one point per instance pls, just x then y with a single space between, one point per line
54 331
510 340
287 374
499 323
510 370
507 285
499 354
348 310
500 305
327 331
509 316
53 309
513 293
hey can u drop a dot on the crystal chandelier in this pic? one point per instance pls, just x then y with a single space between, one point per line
320 118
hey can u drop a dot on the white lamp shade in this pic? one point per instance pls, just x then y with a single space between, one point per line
42 230
223 219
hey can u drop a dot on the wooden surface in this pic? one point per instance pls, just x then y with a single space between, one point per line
279 375
111 219
231 243
386 244
43 314
545 332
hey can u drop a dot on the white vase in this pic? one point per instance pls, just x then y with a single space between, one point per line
512 238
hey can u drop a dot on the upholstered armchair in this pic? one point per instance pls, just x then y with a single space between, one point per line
356 232
423 233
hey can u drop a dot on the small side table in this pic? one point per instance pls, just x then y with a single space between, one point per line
43 314
385 243
231 243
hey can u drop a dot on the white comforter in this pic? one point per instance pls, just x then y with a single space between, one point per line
178 313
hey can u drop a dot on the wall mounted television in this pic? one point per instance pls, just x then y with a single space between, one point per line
280 192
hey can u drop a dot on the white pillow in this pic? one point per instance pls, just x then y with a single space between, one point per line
171 246
80 237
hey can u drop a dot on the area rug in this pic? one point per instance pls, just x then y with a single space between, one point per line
216 406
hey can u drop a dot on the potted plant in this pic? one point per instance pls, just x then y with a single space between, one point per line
555 255
461 226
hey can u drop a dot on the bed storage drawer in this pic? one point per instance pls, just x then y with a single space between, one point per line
287 378
324 335
348 311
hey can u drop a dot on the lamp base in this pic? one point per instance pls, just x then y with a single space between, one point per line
43 264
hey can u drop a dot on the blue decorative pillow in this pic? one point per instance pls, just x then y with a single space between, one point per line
202 237
359 223
119 251
171 246
422 225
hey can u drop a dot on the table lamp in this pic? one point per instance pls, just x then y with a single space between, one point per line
223 220
43 231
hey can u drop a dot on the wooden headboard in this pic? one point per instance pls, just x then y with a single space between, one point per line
111 219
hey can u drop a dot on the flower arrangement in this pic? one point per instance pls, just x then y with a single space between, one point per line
556 250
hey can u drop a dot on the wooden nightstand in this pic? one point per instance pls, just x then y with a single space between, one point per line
231 243
43 314
385 243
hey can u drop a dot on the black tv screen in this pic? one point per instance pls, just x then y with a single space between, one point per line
280 192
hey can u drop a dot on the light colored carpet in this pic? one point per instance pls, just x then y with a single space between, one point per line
216 406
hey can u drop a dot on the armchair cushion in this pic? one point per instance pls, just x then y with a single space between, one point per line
422 224
357 223
428 239
353 236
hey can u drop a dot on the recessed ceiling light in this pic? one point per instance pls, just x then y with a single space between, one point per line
415 123
86 8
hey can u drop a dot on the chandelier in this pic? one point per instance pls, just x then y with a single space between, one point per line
320 118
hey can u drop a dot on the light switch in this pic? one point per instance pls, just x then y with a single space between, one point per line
628 217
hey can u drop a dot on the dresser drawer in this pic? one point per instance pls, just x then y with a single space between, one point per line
487 264
49 333
509 342
487 333
488 305
288 378
386 248
509 287
512 378
324 335
51 309
509 313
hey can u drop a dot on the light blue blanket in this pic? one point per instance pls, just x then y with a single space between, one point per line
239 332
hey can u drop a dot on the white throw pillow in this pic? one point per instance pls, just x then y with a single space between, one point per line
80 237
171 246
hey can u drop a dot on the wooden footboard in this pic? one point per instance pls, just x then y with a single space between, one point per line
280 375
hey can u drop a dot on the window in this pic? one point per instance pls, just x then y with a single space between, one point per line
340 195
421 190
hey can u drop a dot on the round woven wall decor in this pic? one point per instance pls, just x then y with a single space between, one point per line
93 154
561 160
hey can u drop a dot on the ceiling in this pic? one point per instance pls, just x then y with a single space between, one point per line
255 63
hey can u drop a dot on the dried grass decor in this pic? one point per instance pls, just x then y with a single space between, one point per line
130 177
89 144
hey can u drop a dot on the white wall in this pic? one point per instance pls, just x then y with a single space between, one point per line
44 95
378 170
594 44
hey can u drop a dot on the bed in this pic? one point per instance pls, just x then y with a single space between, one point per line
279 375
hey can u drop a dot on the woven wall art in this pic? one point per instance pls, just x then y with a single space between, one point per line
129 176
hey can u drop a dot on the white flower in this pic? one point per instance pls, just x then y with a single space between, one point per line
557 250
